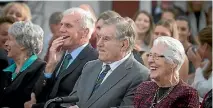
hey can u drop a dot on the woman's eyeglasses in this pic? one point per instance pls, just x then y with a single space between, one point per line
154 56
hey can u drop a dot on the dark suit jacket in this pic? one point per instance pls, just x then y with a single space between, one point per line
20 89
117 90
64 83
3 65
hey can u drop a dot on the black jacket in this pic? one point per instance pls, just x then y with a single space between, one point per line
17 92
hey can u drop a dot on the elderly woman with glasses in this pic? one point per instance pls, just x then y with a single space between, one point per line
166 89
24 43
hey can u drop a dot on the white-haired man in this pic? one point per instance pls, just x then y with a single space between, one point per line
67 56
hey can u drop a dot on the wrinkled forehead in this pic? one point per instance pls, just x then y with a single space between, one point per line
72 17
107 30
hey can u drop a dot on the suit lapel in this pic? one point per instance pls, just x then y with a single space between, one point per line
117 75
58 66
83 54
90 83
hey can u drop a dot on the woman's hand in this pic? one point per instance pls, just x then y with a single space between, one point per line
194 57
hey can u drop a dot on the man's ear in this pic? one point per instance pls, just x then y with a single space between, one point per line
85 32
125 45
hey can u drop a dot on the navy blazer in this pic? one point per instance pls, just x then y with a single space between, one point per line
63 85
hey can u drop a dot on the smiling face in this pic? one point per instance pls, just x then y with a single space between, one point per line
12 47
71 29
17 12
109 48
183 30
4 33
159 67
143 23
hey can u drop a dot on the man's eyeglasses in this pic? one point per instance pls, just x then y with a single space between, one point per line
154 56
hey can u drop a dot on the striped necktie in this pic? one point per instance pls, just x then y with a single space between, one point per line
101 77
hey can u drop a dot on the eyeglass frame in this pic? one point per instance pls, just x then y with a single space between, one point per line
155 57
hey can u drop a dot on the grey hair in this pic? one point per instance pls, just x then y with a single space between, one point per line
175 51
87 20
55 18
125 29
28 35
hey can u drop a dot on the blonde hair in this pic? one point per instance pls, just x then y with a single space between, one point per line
171 26
205 36
149 33
27 12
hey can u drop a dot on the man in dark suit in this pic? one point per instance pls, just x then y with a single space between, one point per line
111 80
67 56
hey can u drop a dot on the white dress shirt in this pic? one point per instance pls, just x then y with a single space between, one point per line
113 66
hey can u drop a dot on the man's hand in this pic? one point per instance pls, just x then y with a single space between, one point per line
30 103
55 54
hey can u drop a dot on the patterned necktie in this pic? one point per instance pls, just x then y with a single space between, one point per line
65 63
101 77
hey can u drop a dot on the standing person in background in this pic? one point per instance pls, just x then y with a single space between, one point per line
24 43
169 28
197 16
67 56
168 14
19 11
89 9
54 24
203 74
184 30
145 25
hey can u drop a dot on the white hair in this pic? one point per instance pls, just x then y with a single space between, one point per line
87 20
174 50
29 35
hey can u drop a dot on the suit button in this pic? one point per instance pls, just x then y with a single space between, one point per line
44 83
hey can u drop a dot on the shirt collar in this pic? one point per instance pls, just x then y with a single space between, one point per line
26 64
117 63
76 51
